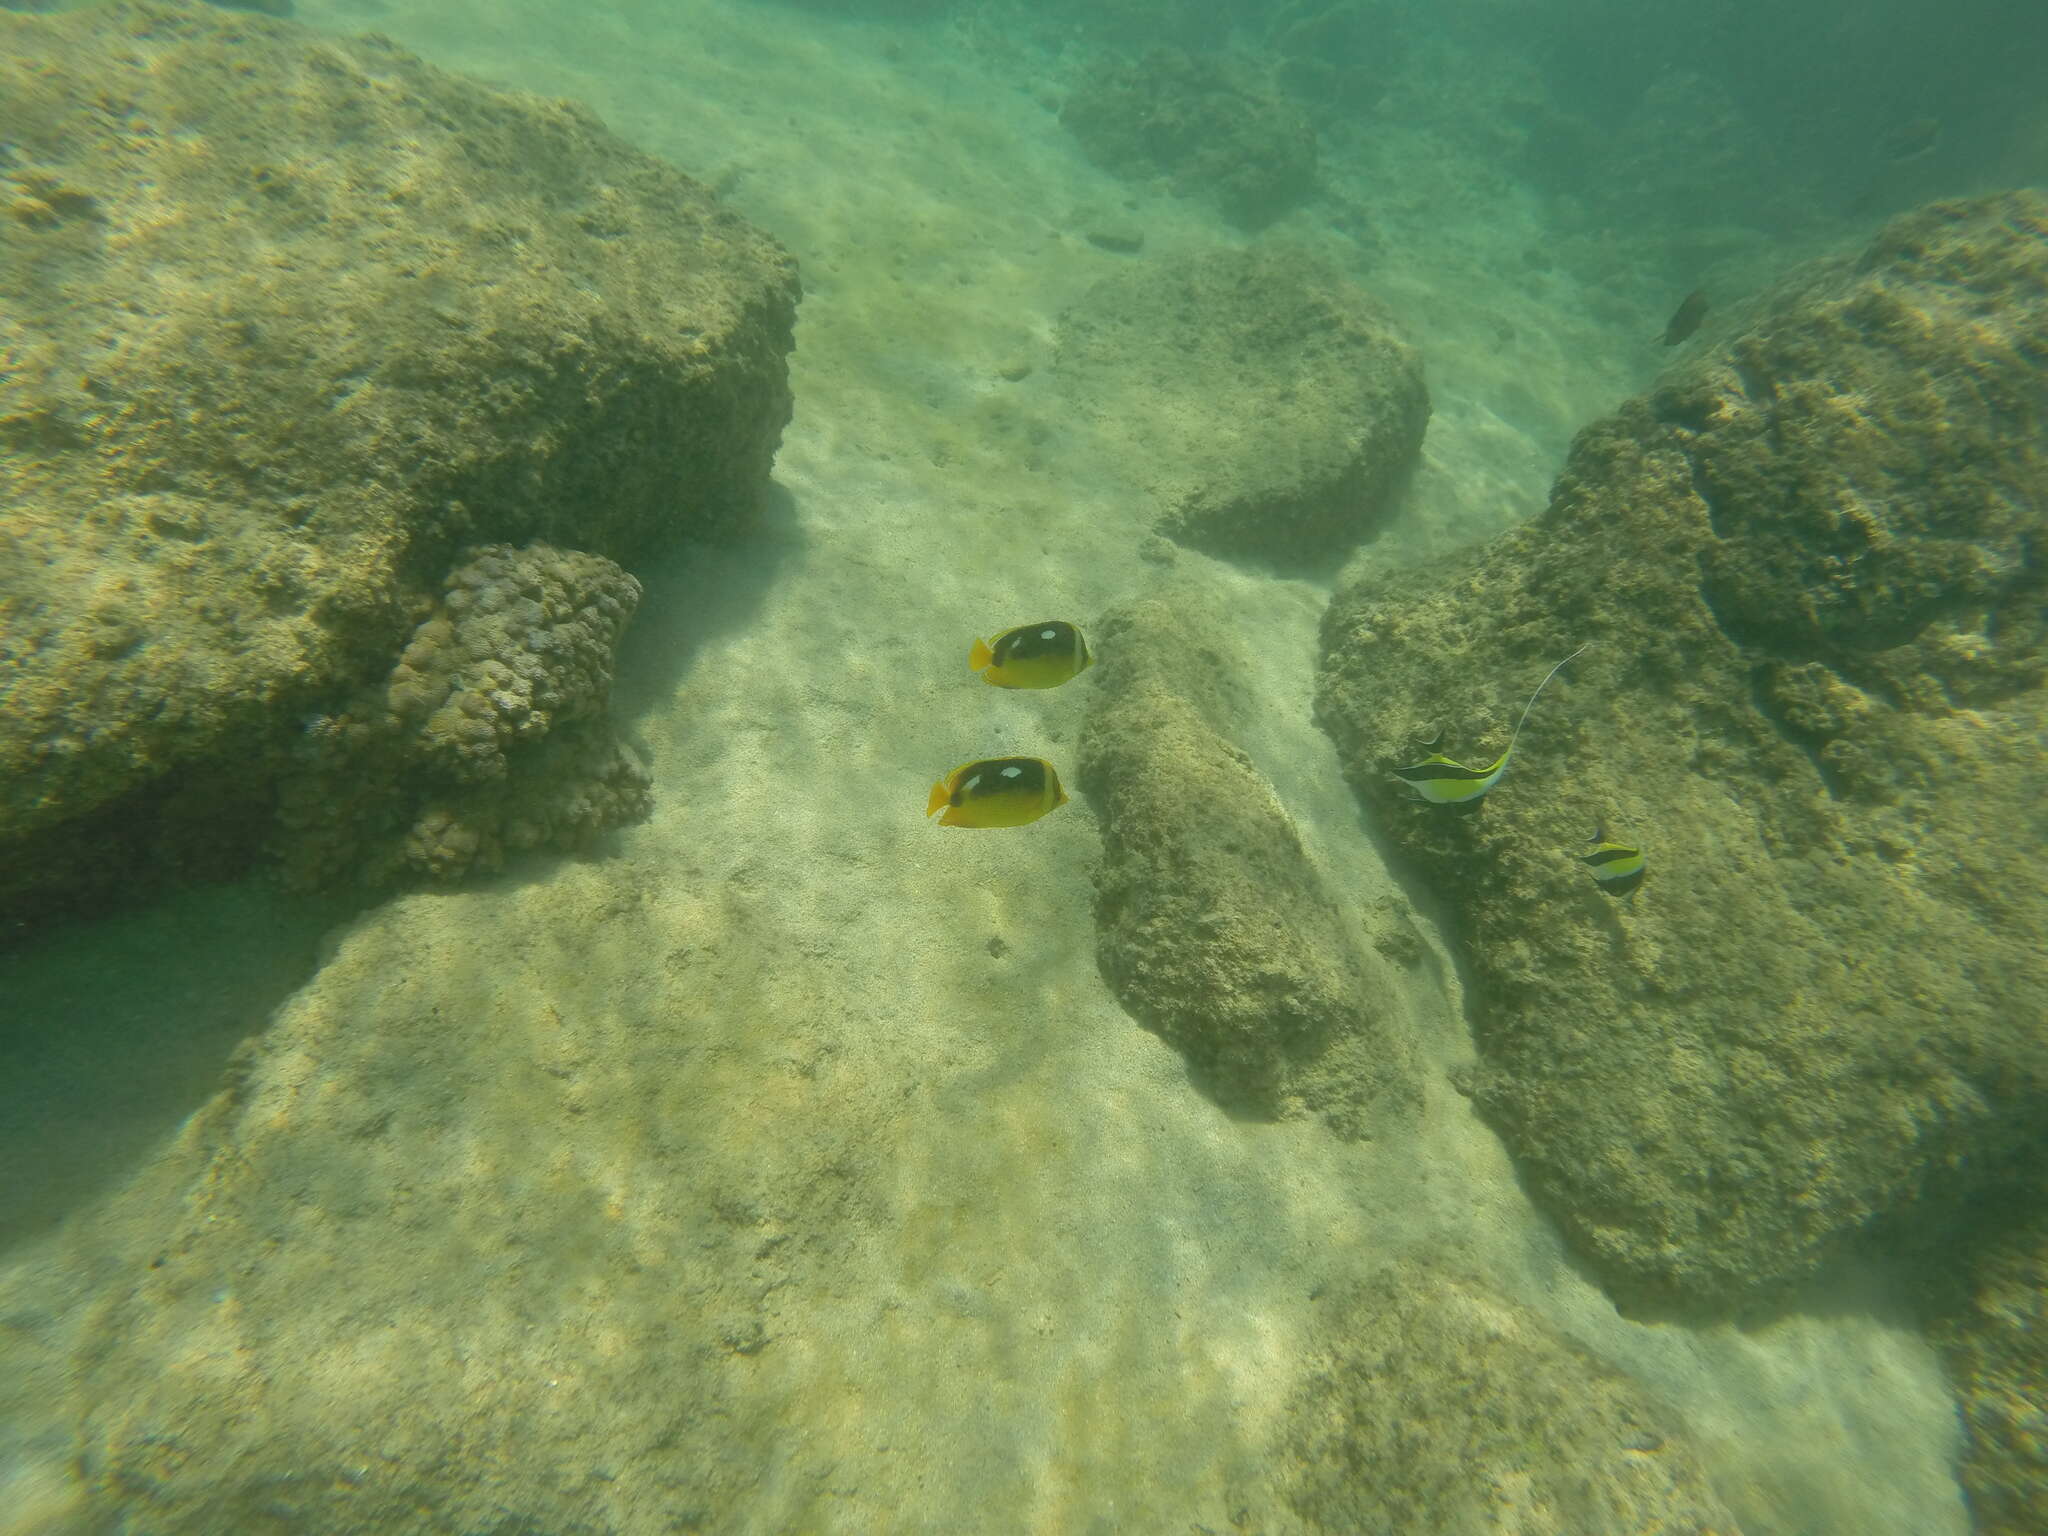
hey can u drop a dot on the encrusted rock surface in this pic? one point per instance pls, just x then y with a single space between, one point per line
1994 1341
1263 398
1808 566
1212 925
1439 1405
489 735
290 320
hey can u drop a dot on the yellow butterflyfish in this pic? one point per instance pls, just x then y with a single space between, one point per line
997 792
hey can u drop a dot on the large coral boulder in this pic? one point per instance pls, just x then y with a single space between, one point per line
456 1250
1266 403
1808 568
289 321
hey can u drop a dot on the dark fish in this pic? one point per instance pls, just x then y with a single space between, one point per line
1686 318
1909 140
1894 153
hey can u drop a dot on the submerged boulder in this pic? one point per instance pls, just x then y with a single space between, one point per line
1268 405
1808 571
292 320
1993 1336
1438 1404
427 1262
1212 925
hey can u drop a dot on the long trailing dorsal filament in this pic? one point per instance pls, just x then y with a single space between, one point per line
1516 735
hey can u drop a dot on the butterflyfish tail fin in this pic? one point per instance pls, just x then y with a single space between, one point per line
939 797
981 658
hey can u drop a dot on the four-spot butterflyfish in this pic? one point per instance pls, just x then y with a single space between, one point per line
1042 655
1618 867
997 792
1442 782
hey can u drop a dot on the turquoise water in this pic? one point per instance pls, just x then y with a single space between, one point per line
783 1163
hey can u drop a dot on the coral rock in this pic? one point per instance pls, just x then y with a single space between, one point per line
290 319
1808 570
489 736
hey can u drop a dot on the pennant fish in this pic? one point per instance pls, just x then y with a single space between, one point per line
1041 655
997 792
1442 782
1617 866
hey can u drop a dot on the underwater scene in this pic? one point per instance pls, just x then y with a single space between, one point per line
1042 766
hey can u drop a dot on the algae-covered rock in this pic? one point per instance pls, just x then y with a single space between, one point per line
1264 399
1808 571
1438 1405
1995 1345
288 320
1212 925
489 735
1211 132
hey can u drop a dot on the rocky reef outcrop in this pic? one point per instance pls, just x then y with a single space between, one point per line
1269 405
1438 1404
1991 1325
291 322
426 1262
1807 568
1213 927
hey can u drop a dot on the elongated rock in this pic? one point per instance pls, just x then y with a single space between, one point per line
1212 925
